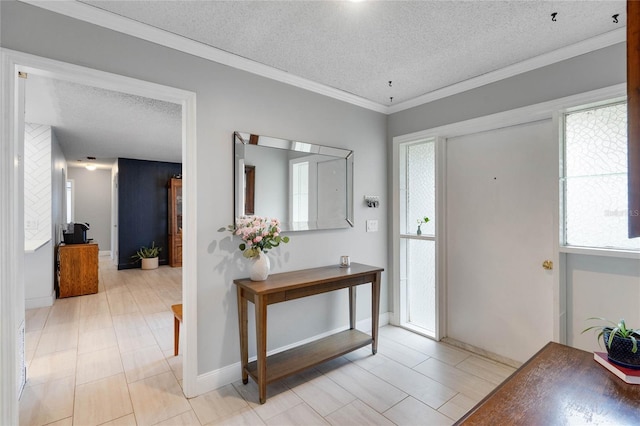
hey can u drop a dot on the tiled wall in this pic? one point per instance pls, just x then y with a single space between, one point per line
37 182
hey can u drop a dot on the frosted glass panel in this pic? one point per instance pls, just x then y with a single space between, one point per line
420 283
597 212
420 187
596 141
595 183
417 185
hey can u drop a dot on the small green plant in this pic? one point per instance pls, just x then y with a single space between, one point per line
620 329
147 252
421 221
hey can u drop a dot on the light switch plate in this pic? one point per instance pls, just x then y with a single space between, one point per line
372 225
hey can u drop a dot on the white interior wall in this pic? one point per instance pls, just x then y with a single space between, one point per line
38 277
599 286
114 213
58 188
92 200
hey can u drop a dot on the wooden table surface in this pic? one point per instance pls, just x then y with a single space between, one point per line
559 385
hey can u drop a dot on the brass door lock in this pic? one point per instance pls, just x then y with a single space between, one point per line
547 265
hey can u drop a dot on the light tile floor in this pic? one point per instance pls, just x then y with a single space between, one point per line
107 359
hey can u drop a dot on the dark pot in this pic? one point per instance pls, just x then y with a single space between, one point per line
620 351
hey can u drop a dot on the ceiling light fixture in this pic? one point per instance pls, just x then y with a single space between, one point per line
90 166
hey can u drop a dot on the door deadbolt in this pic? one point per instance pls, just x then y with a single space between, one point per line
547 265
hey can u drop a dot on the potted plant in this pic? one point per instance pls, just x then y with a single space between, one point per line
148 256
421 222
621 342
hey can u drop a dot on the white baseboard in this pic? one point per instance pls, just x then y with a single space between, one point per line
40 302
482 352
232 373
104 253
217 378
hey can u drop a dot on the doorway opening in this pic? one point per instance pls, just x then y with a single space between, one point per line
15 66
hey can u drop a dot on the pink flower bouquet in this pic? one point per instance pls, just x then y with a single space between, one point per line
258 234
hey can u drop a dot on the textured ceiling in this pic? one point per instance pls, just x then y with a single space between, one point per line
357 48
421 46
89 121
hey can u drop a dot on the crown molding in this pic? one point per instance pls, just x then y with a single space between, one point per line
146 32
589 45
96 16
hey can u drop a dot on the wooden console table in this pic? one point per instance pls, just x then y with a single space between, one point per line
559 385
294 285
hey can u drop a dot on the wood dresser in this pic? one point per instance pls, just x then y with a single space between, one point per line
294 285
559 385
77 269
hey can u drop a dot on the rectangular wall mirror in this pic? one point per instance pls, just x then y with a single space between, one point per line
305 186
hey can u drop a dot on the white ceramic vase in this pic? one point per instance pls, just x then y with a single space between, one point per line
260 267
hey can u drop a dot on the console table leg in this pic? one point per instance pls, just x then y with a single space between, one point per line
261 346
242 326
352 307
375 312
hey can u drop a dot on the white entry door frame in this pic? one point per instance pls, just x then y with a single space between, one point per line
543 111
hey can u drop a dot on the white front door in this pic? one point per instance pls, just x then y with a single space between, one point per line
500 229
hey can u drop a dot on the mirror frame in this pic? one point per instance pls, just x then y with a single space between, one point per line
241 139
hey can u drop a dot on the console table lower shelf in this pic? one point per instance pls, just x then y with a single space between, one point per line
294 285
295 360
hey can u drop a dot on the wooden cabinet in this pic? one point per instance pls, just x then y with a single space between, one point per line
175 222
77 269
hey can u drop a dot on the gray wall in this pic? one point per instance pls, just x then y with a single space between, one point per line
228 100
594 70
92 202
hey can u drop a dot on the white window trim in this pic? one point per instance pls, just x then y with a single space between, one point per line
402 307
592 251
616 97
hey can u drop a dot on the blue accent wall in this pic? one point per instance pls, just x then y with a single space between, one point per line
143 208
